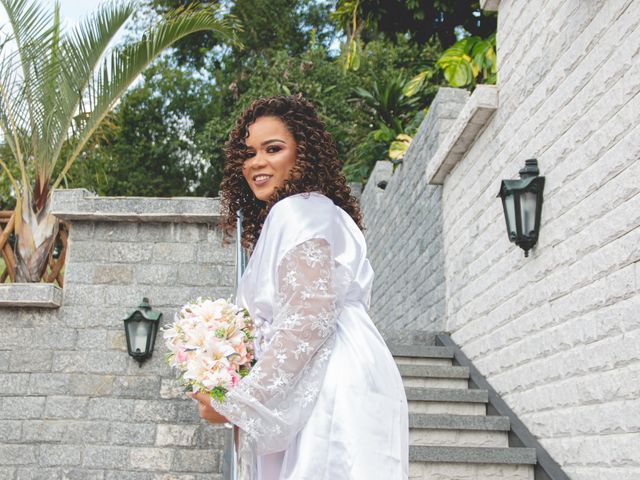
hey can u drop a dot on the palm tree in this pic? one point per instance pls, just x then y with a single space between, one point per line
57 87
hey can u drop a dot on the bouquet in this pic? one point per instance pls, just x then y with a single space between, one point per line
210 345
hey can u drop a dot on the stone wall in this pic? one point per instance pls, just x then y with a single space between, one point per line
558 333
403 226
73 403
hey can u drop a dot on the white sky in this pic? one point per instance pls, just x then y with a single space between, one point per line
71 11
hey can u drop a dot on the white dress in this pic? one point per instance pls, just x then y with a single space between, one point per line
325 400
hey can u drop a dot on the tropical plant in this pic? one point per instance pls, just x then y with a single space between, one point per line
418 20
470 61
56 89
388 101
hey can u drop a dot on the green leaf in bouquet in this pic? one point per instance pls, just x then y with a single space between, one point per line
218 393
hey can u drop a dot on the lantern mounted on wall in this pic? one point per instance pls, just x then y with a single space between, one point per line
522 205
141 327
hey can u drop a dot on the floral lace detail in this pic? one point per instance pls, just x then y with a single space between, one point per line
274 401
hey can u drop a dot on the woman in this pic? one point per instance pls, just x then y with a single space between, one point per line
325 400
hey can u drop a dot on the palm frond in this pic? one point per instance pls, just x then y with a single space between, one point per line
32 33
120 69
81 51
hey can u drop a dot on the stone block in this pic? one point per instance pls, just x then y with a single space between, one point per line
81 474
43 430
170 388
109 458
156 274
110 252
10 430
195 460
91 385
94 316
129 475
205 275
112 274
78 272
89 362
173 252
86 432
136 386
7 473
90 297
176 435
30 361
117 340
93 339
154 411
213 252
53 337
21 408
151 458
128 433
210 436
58 455
129 297
16 454
14 383
190 233
114 409
38 473
4 361
66 407
118 231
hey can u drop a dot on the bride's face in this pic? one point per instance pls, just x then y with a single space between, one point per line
271 152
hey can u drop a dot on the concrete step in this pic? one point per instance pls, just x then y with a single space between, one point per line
421 354
469 471
458 430
453 401
434 376
459 422
422 361
422 351
504 456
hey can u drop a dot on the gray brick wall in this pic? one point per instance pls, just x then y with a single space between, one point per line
73 404
557 333
404 231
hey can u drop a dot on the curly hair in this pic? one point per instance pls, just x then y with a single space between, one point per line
316 167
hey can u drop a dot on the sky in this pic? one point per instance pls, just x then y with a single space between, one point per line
71 11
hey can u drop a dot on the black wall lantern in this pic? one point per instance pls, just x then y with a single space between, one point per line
522 204
141 327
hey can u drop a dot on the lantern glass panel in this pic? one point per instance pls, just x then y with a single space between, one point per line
528 202
138 331
510 210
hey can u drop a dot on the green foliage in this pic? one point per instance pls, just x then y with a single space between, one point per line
217 393
470 61
374 105
420 21
57 88
267 25
152 149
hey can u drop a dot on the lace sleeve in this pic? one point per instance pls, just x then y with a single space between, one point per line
273 402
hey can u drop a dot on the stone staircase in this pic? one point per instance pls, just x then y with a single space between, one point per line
450 435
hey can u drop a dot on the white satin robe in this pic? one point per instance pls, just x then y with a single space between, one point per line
325 401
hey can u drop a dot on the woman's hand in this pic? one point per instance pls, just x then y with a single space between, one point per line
205 409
